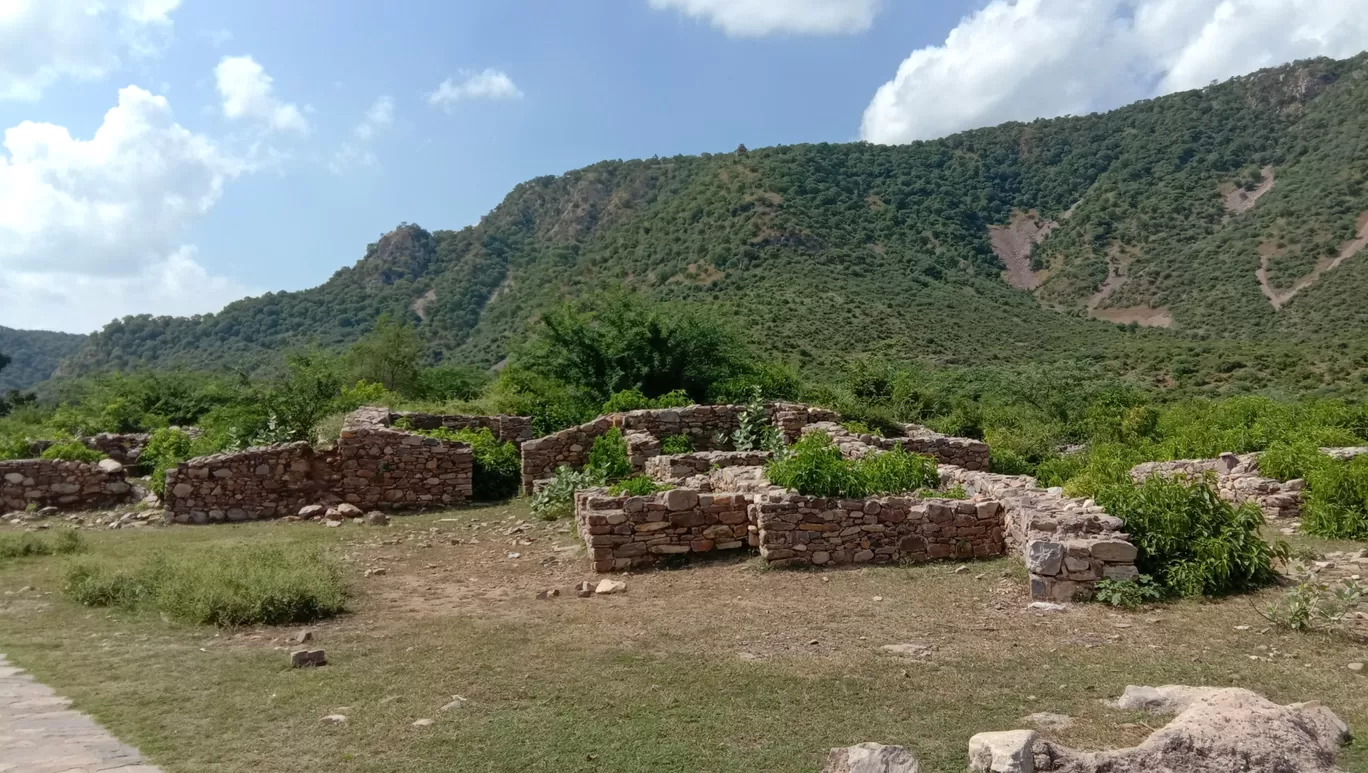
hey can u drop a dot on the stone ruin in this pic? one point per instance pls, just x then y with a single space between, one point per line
41 483
1238 480
721 501
373 465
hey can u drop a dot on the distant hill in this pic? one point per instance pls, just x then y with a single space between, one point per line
1209 238
34 355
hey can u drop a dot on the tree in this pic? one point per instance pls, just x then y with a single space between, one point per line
617 340
391 355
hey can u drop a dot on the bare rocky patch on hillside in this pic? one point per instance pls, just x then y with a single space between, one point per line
1241 200
1013 244
1280 298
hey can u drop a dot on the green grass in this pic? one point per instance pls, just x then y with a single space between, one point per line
691 671
249 585
29 544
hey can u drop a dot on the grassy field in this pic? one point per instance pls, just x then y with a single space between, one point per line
722 666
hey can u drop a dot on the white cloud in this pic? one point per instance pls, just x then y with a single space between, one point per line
1026 59
490 84
379 117
757 18
247 94
93 229
43 41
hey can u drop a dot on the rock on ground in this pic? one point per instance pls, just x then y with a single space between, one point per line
871 758
1007 752
1219 731
1169 699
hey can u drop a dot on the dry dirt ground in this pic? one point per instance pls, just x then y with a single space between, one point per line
715 666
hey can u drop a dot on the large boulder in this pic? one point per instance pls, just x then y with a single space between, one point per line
871 758
1218 731
1007 752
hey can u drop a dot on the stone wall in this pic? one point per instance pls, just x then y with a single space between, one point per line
1067 544
1238 480
624 532
797 530
673 467
372 466
967 453
125 448
506 429
709 427
66 485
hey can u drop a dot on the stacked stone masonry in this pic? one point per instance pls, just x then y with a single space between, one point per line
506 429
66 485
126 449
708 427
1067 544
372 466
961 452
1238 480
796 530
674 467
625 532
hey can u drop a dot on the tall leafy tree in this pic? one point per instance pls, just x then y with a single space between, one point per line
392 354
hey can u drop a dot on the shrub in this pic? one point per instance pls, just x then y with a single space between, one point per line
15 448
633 400
1192 542
814 467
62 542
556 499
755 433
637 486
861 428
1058 470
1005 461
897 472
1336 500
1314 605
164 450
1128 594
676 444
222 586
71 451
608 456
1285 461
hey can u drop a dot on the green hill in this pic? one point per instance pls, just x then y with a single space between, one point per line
33 355
1165 213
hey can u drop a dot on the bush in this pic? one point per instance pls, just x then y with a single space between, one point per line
1336 500
1058 470
676 444
1286 461
15 448
1005 461
897 472
1192 542
755 432
634 400
222 586
63 542
1313 605
608 456
814 467
164 450
1128 594
637 486
71 451
556 499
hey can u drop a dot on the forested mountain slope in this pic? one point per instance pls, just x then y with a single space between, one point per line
1226 216
33 355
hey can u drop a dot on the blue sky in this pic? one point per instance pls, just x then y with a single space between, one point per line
253 145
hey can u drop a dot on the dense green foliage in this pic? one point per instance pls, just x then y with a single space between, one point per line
33 356
1192 542
1336 503
891 246
814 466
637 486
224 587
608 456
71 451
676 444
556 498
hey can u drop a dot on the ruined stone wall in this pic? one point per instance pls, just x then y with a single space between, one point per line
967 453
624 532
797 530
267 482
66 485
708 426
124 448
372 466
506 429
1067 544
674 467
1238 480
